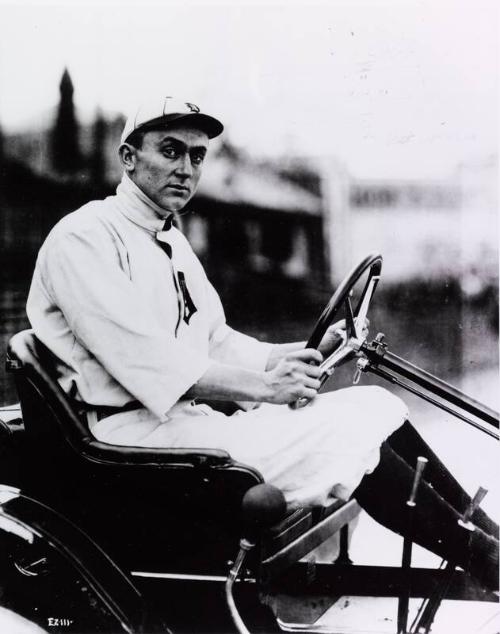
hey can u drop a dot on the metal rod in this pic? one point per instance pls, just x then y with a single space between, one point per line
245 546
374 369
424 603
433 384
404 596
429 614
419 472
474 504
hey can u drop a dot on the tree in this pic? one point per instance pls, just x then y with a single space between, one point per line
66 154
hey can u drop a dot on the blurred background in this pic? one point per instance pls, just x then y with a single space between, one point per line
350 128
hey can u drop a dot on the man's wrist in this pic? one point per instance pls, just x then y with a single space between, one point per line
280 350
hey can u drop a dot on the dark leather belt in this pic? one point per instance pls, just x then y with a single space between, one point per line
103 411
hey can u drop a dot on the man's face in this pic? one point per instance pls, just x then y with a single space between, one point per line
167 167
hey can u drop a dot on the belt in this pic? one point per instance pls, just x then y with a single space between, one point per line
103 411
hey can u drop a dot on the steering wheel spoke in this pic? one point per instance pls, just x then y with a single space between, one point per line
364 304
330 363
350 325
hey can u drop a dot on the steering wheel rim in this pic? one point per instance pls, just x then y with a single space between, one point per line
340 298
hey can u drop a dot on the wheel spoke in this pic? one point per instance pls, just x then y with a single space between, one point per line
349 318
362 310
330 363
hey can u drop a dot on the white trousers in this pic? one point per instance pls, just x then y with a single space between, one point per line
313 454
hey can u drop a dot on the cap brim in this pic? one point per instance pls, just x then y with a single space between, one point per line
210 125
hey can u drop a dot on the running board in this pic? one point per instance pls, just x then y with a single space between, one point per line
364 599
378 615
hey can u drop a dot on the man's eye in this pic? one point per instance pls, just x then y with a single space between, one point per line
169 152
197 159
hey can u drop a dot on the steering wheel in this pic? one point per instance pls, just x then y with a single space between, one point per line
354 335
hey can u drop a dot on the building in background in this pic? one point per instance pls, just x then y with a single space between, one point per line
65 154
248 216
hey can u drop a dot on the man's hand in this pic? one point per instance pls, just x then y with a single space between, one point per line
295 376
332 338
335 334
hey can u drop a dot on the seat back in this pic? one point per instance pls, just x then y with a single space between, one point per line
55 426
50 420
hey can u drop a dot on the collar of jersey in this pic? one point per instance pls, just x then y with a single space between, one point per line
139 208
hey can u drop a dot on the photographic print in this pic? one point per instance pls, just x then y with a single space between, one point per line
249 317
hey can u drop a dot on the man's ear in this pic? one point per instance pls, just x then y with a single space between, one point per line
127 154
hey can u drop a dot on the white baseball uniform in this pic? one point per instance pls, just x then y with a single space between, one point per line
128 322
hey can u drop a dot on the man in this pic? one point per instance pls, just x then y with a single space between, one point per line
122 301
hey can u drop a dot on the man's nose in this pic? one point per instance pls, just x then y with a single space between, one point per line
184 167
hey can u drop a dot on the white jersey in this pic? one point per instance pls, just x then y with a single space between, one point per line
126 321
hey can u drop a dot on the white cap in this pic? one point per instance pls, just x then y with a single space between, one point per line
159 112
